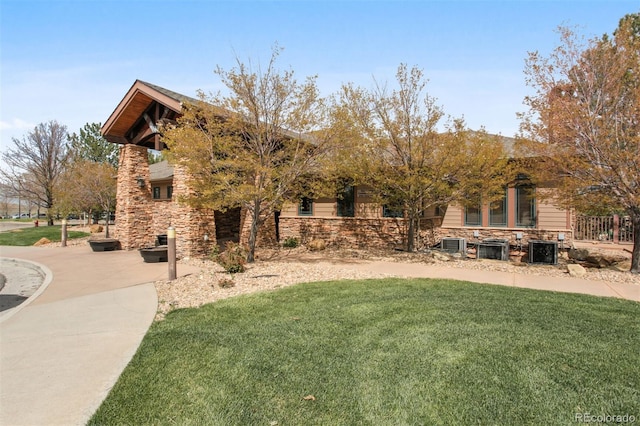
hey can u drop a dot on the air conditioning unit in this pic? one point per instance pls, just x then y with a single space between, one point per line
454 245
493 248
545 252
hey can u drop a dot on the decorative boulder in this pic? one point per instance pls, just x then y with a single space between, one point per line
42 241
96 229
576 270
578 254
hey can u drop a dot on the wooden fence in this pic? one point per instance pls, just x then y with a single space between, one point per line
616 229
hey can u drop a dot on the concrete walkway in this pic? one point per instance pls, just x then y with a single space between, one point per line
62 351
562 284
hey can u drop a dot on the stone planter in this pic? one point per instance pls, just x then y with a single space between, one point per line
154 254
104 244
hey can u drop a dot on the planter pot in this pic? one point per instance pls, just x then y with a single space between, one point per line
104 244
154 254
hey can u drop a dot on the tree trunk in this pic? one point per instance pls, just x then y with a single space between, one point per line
635 253
411 235
253 231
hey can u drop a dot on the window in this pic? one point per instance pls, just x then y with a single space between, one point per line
498 212
305 208
525 205
156 192
169 191
388 211
346 202
473 216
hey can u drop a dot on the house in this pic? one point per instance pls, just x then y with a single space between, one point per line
148 199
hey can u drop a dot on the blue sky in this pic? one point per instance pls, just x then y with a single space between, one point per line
73 60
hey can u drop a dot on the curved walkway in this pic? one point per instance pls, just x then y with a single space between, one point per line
63 350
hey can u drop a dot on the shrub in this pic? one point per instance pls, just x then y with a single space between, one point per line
226 283
233 258
290 242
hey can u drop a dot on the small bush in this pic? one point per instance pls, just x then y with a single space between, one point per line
233 258
226 283
290 242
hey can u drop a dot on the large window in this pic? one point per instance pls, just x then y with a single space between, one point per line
346 202
473 216
498 212
305 208
525 205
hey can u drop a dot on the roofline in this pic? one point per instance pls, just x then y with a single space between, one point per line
148 89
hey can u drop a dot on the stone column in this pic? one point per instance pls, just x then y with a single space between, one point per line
191 224
133 202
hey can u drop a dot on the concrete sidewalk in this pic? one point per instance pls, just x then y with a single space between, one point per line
62 351
562 284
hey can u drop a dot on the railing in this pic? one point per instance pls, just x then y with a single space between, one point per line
604 228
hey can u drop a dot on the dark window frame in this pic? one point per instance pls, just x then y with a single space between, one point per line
505 211
305 212
531 195
156 193
346 202
467 222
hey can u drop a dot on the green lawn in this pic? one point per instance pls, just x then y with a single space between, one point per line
28 236
385 352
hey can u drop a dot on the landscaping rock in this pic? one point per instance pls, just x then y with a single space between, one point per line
576 270
578 254
96 229
598 261
443 257
42 241
317 245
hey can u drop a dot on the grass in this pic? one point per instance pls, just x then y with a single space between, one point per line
28 236
385 352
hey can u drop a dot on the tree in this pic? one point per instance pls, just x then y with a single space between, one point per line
252 147
88 186
34 166
584 121
391 142
90 145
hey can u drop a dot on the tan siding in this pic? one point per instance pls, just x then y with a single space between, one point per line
453 216
289 209
324 207
551 217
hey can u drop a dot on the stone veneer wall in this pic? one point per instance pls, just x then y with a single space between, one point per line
345 231
133 204
507 234
191 224
266 233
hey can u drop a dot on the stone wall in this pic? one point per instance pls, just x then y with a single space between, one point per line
134 205
266 233
191 224
507 234
345 231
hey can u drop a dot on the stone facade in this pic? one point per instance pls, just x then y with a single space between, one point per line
133 203
507 234
345 231
266 233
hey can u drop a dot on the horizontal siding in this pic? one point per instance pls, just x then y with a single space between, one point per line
453 216
551 217
289 209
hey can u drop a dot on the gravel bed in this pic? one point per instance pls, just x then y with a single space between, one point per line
275 269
